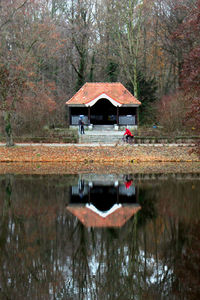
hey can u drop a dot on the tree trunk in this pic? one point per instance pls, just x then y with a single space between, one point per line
81 70
135 78
8 129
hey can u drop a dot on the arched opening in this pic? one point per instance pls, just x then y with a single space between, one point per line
103 113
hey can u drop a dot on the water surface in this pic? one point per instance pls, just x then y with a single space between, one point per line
103 236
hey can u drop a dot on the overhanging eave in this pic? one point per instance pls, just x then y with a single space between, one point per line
130 105
75 105
103 96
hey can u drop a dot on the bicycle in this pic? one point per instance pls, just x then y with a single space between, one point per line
129 140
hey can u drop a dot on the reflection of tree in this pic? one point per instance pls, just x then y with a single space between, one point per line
4 229
165 238
187 267
80 262
104 263
147 199
47 254
28 243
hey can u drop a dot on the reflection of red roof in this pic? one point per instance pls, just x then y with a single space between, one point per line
92 90
117 219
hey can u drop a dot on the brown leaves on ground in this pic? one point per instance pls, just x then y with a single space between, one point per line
114 159
100 168
99 154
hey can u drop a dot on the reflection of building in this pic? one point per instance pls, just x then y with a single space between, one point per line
103 201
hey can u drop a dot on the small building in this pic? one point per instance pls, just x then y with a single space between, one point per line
104 104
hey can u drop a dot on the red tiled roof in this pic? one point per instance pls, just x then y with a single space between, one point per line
90 219
91 90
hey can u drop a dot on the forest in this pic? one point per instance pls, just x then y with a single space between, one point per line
50 48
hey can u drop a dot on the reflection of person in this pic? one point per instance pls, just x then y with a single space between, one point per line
81 188
128 134
128 183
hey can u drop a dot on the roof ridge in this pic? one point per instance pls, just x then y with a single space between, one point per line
103 82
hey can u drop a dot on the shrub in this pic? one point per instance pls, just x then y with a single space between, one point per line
172 111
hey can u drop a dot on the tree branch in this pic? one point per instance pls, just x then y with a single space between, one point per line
11 16
75 69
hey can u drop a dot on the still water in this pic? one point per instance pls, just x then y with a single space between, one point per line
90 236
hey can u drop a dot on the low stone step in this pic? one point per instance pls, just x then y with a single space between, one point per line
99 138
103 127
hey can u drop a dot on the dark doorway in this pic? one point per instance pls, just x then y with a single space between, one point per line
103 197
103 113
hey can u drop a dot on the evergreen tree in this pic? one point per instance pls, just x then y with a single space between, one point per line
112 71
147 89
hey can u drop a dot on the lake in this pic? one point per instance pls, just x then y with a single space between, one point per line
100 236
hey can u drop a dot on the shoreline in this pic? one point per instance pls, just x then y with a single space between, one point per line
85 168
73 159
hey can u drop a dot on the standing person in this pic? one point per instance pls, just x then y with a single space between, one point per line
79 123
82 127
128 134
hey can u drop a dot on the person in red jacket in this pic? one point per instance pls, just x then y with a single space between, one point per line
128 134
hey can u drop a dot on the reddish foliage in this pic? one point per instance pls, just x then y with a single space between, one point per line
188 33
23 74
12 86
172 110
191 72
